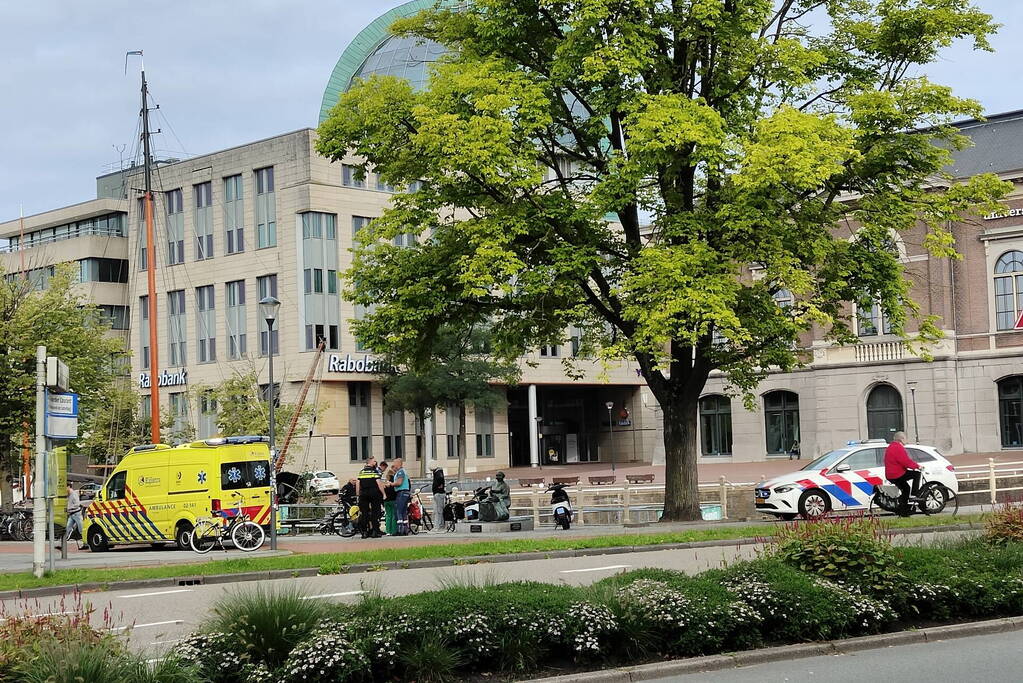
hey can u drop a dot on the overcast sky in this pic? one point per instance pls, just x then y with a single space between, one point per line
227 72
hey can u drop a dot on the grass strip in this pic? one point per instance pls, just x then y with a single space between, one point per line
334 563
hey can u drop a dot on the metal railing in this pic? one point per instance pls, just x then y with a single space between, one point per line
990 473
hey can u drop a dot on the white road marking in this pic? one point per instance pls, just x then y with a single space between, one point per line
596 569
146 595
167 642
332 595
155 623
50 614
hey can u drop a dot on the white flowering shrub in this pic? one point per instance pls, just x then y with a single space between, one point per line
329 656
476 637
870 615
588 629
217 656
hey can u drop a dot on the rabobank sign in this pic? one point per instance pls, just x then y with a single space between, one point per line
338 363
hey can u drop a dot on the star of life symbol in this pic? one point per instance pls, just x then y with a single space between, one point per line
259 472
202 476
234 475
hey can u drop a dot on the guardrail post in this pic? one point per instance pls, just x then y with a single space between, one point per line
536 508
582 506
724 496
992 481
626 503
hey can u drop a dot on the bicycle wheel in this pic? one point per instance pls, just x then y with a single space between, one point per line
935 497
205 535
427 520
248 536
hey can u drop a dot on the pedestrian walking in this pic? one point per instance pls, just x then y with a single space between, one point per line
390 495
403 488
74 516
370 490
440 496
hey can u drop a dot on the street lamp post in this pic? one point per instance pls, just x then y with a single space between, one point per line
916 425
611 436
539 439
268 308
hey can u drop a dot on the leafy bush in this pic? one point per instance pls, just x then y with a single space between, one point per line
328 655
1005 524
852 550
263 625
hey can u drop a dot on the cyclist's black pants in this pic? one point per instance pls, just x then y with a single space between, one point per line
369 514
908 485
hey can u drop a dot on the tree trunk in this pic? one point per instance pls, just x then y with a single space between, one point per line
681 482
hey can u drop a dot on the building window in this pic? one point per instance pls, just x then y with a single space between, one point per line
142 233
394 434
350 176
783 298
405 239
484 432
101 270
266 208
207 415
884 412
236 331
781 414
267 285
115 316
175 228
203 220
332 337
144 330
550 351
716 425
206 323
453 421
331 282
576 340
1010 411
358 223
179 411
870 320
176 327
382 185
313 280
234 214
359 421
1008 289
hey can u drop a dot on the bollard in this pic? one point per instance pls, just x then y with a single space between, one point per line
724 497
626 503
536 508
992 481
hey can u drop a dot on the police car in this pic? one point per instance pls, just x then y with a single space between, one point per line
844 479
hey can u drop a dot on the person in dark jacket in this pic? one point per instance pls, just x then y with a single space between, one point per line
901 470
370 490
440 497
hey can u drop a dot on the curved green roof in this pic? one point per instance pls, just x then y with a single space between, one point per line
362 47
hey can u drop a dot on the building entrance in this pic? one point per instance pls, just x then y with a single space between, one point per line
570 422
884 412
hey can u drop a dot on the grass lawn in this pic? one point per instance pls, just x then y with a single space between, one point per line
334 563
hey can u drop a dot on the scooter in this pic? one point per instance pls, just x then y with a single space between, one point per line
472 508
561 506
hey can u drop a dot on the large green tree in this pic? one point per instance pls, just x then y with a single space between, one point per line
60 318
621 164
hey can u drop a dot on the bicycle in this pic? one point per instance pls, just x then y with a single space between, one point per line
419 518
243 532
342 522
932 498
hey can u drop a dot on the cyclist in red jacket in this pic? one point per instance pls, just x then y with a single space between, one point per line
902 471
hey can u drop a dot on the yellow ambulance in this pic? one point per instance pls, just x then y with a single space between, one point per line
156 493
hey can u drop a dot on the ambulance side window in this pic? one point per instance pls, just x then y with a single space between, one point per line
246 474
115 487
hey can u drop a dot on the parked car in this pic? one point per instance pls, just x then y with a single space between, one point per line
843 479
323 482
88 490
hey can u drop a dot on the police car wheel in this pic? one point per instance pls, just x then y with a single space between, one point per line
813 504
98 540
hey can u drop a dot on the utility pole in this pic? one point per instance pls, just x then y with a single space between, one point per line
39 485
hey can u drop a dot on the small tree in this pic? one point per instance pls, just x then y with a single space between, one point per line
452 368
623 166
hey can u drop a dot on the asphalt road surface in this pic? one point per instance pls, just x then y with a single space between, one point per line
996 658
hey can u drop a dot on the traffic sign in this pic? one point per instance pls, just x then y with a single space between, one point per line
57 374
1019 322
61 416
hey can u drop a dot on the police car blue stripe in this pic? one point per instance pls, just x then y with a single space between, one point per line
865 486
836 491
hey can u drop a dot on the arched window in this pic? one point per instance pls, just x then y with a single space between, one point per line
884 412
781 416
716 425
1008 289
1010 410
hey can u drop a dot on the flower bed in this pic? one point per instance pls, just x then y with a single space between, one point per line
820 581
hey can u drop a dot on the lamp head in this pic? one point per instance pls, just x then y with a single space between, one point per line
609 405
268 309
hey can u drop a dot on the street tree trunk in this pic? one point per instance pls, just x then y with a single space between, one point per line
681 481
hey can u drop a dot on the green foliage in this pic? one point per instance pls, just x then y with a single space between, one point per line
853 550
265 624
1005 524
739 128
117 425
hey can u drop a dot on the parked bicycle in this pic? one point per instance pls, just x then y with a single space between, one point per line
419 518
240 529
16 525
343 521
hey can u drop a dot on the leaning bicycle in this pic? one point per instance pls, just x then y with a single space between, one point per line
240 530
419 518
932 497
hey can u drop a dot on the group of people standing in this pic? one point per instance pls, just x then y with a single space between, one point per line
386 487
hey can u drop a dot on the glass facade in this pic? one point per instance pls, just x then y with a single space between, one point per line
407 58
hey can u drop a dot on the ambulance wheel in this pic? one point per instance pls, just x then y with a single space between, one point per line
97 540
183 536
814 504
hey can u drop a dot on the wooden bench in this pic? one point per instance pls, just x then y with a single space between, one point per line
601 481
526 483
640 478
566 480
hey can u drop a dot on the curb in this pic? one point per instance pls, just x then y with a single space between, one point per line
194 580
766 655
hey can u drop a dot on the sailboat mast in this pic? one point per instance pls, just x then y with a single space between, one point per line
154 352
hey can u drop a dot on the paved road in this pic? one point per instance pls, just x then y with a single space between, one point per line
996 658
157 617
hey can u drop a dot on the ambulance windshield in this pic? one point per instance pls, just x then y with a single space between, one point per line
828 459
